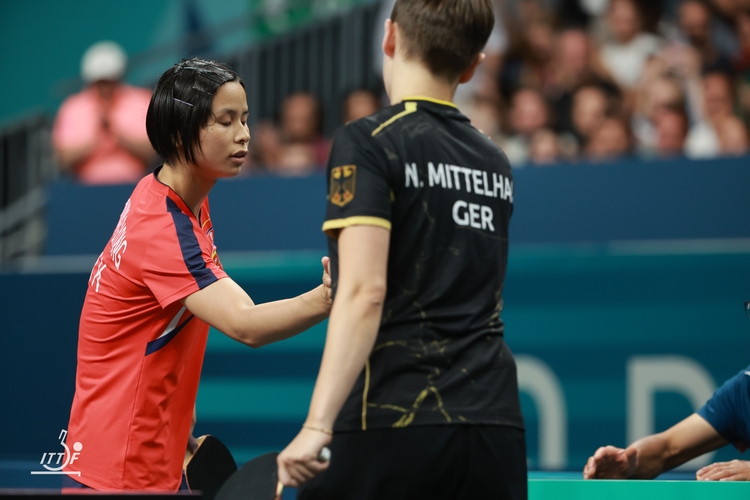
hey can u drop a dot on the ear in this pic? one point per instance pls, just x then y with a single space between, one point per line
389 39
469 72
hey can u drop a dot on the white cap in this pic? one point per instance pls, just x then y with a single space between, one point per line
103 61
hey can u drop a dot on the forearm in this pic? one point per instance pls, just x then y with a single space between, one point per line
666 450
225 306
141 149
262 324
352 330
68 159
653 457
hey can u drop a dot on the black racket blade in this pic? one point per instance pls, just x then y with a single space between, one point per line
256 480
210 466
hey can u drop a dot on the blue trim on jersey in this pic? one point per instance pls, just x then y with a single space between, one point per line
191 250
157 344
728 410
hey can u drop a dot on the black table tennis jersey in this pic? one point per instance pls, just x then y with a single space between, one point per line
445 192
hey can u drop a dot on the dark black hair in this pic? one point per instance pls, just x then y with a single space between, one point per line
181 106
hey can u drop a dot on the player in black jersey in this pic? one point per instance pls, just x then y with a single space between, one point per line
417 395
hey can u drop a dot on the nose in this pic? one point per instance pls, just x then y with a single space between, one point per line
244 134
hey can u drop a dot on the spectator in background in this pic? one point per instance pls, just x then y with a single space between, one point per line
610 141
733 136
544 148
265 147
695 25
671 131
658 93
297 159
530 59
591 106
99 134
717 105
358 104
302 123
625 54
484 114
528 114
574 65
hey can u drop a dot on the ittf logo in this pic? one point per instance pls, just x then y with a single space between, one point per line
55 462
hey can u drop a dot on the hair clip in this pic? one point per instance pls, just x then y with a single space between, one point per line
183 102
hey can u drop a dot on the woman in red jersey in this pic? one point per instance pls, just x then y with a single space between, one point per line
157 287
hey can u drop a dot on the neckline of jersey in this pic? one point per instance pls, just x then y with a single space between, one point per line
430 99
168 189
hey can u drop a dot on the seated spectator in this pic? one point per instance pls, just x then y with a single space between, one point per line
717 94
358 104
528 115
671 131
658 94
733 136
99 135
591 105
297 159
724 25
265 147
302 122
530 57
625 54
484 114
574 65
610 141
695 24
544 148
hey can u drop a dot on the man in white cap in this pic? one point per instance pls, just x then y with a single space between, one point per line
100 133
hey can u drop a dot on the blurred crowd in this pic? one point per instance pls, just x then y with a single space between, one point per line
295 145
563 81
596 80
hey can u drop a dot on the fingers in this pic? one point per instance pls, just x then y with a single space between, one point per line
327 281
294 472
736 470
608 462
300 461
589 470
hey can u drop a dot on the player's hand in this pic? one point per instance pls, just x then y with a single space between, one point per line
299 462
327 282
736 470
609 462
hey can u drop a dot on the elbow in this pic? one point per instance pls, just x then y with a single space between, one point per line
369 296
250 339
239 328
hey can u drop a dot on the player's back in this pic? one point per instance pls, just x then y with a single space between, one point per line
445 191
451 201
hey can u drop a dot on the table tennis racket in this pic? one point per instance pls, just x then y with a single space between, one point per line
208 464
258 479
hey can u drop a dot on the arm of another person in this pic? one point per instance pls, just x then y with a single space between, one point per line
352 329
650 456
228 308
139 147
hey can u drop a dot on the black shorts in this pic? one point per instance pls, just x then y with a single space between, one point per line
425 462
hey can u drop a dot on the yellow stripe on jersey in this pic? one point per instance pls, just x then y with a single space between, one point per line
362 220
364 395
409 108
430 99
